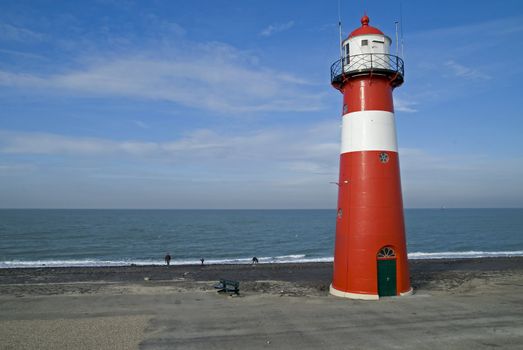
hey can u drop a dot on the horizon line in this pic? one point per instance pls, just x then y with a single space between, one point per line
411 208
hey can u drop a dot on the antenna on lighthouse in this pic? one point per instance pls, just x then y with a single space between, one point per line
401 29
340 29
397 43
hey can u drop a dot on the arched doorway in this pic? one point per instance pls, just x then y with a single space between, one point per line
386 272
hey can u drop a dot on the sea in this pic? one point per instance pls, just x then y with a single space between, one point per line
56 238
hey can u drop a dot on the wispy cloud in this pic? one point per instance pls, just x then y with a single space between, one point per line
9 169
403 105
314 147
466 72
276 28
44 143
460 180
11 32
141 124
22 54
267 158
211 77
285 167
460 60
496 27
165 26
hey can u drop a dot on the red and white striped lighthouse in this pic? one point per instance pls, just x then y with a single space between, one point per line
370 255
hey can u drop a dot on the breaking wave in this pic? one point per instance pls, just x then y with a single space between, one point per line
464 255
293 258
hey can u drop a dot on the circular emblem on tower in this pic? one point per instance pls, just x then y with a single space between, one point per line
384 157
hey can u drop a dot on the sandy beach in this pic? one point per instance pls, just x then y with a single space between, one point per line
458 304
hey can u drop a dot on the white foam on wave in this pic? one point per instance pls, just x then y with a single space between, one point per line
282 259
293 258
73 263
464 255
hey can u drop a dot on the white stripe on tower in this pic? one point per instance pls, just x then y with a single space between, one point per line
368 131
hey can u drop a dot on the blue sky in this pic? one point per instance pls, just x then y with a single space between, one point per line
228 104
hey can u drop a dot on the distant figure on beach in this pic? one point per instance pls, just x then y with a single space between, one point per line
202 260
167 259
254 260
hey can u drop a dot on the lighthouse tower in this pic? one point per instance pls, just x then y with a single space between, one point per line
370 255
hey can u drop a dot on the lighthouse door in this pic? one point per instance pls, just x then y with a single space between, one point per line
386 272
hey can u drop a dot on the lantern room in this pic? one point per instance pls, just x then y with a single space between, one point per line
367 49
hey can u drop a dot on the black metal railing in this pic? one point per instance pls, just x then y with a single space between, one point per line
368 62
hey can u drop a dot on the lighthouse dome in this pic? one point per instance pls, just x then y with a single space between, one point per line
365 28
366 40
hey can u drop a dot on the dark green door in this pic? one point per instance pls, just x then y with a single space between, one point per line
386 277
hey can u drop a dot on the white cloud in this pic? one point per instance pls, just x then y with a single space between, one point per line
269 168
457 62
16 168
276 28
164 27
141 124
213 77
460 180
43 143
466 72
22 54
308 167
20 80
315 146
403 105
479 30
280 162
15 33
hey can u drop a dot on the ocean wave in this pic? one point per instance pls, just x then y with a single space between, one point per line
73 263
292 258
464 255
282 259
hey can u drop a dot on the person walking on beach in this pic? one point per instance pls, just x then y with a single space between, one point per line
168 259
202 260
254 260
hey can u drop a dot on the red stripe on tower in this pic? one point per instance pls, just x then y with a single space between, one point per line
370 255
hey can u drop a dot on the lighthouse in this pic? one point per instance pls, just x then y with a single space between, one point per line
370 254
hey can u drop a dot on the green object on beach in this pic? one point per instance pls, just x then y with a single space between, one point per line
386 277
228 286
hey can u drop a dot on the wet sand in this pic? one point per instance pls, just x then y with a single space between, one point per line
458 304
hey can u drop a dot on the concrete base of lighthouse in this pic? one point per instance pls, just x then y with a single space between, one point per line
341 294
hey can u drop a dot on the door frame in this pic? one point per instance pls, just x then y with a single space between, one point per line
387 253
